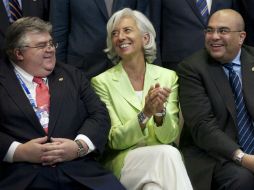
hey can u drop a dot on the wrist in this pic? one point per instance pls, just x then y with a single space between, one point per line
143 118
82 149
19 154
161 114
238 156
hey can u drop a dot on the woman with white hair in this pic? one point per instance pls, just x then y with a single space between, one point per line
142 100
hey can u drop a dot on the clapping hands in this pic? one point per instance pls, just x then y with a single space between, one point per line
156 99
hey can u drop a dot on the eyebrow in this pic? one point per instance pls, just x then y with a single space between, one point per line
42 42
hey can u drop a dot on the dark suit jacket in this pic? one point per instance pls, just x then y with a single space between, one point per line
39 8
80 29
209 134
245 7
182 29
74 109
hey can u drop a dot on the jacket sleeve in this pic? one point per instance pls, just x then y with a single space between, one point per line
97 125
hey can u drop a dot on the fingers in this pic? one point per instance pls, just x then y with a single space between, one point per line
51 160
53 156
158 94
40 140
53 153
156 99
59 150
157 85
61 140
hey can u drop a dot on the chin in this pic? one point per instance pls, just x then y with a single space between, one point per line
49 65
217 55
46 73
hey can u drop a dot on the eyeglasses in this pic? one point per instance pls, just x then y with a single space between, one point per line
220 31
44 45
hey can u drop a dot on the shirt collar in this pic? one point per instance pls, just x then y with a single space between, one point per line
25 75
236 60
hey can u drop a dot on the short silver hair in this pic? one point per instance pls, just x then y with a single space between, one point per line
143 24
16 35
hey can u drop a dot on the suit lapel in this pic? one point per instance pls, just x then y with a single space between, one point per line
247 62
220 79
151 77
56 89
125 89
102 7
16 93
192 4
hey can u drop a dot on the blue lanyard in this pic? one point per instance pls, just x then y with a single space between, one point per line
31 100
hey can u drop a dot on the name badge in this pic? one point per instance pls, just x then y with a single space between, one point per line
43 117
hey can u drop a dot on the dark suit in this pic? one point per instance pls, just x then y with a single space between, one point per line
209 135
182 29
245 7
39 8
74 109
80 29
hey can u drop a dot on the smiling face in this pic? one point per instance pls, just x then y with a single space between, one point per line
224 46
35 59
127 39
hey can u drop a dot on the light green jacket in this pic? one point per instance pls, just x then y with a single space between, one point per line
115 90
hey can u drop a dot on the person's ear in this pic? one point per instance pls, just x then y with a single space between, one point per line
146 39
242 37
18 54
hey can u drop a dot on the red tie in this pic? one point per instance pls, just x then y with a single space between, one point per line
42 101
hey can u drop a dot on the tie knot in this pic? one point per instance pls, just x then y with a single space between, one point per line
38 80
229 66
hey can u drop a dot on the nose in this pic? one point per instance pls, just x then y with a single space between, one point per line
121 35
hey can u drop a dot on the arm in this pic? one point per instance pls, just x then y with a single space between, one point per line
248 162
122 135
97 125
169 130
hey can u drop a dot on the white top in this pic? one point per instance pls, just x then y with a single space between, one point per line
209 5
139 95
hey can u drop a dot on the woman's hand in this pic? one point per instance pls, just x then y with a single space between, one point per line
155 100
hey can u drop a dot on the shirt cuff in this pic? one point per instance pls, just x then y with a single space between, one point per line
89 143
9 155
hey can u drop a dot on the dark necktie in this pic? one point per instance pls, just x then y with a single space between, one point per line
244 121
202 6
15 10
42 101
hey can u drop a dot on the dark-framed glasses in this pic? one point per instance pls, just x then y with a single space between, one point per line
221 31
44 45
